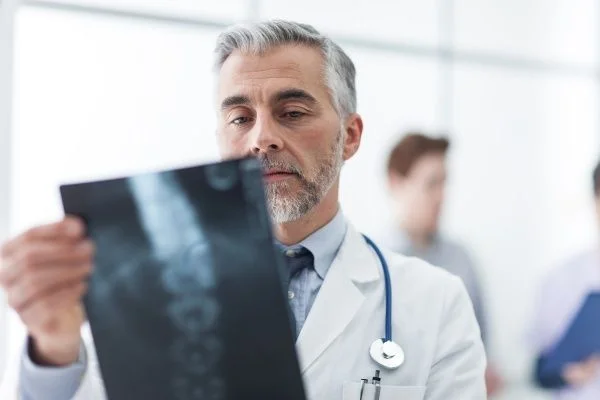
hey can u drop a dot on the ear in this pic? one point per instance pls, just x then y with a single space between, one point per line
353 129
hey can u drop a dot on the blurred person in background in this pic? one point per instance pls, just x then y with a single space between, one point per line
417 181
562 293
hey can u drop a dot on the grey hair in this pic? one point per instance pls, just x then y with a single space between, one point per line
259 38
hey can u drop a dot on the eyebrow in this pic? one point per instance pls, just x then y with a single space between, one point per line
286 94
294 94
237 100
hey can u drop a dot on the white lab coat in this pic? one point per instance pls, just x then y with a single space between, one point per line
433 321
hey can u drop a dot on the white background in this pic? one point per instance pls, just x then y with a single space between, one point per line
103 95
6 43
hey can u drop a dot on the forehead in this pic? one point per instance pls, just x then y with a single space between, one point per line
429 163
295 66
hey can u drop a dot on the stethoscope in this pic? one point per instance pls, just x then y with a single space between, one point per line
385 351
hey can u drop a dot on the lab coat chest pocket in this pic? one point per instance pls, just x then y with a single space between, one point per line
388 392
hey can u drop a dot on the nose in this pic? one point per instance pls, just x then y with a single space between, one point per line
265 137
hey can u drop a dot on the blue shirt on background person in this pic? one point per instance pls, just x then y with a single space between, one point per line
449 255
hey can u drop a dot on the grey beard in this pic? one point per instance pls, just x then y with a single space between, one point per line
286 208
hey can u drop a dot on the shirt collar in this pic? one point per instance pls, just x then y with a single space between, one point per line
324 243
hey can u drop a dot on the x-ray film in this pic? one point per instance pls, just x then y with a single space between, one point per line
186 300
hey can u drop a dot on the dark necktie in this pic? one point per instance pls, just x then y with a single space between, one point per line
297 260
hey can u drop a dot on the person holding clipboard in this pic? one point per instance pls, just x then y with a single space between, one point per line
567 325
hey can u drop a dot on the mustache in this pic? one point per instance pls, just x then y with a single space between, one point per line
281 165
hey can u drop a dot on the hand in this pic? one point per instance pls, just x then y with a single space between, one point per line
43 272
493 381
581 373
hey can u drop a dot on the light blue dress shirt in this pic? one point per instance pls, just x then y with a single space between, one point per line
52 383
304 287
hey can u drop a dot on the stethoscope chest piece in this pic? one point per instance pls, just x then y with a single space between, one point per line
387 354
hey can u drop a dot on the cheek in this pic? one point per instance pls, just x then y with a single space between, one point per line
308 151
320 135
423 202
318 154
229 148
413 203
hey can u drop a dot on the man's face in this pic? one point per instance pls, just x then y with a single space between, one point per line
277 107
421 193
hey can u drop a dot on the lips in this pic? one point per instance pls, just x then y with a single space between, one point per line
270 172
272 175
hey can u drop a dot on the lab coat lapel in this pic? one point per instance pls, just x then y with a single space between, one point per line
339 298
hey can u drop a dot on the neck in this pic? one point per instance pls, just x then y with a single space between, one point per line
420 238
293 232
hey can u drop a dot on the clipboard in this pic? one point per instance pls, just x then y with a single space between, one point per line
580 340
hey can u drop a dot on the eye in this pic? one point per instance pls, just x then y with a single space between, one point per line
294 114
240 121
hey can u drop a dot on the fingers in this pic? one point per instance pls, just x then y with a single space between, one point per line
35 287
39 316
580 373
31 258
595 359
70 227
43 272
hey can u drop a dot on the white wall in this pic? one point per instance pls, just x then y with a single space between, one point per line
560 31
222 10
7 8
108 101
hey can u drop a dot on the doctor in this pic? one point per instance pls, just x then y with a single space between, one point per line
286 94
